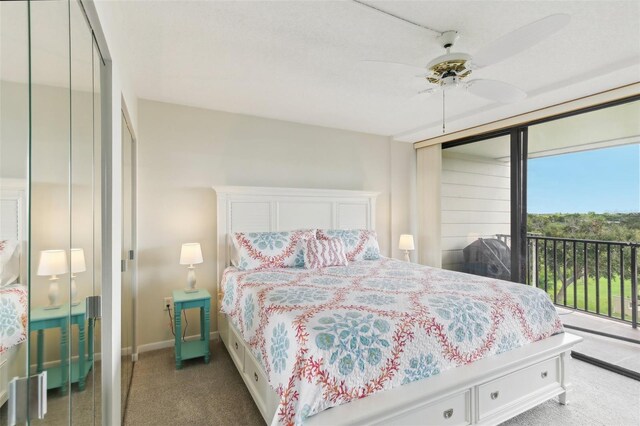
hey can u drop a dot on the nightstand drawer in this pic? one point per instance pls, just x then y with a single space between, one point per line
500 393
236 348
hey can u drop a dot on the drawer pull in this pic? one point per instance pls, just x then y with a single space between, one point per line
255 375
236 345
447 414
544 374
495 395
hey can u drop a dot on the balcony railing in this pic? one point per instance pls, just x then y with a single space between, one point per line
599 277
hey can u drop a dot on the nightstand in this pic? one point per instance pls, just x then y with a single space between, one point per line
196 348
43 319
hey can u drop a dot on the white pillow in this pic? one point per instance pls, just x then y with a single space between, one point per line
262 250
9 262
234 255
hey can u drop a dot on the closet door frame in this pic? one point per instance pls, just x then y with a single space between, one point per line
113 92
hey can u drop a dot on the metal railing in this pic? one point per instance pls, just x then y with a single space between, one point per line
599 277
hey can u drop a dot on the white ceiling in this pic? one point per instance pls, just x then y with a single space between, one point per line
300 60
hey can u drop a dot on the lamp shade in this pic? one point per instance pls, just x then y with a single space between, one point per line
406 242
77 261
190 254
52 262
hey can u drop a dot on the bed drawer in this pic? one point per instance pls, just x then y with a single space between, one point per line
236 348
256 379
451 411
501 393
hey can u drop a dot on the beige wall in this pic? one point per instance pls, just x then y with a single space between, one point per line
183 152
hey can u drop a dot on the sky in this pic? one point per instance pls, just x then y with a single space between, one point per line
599 181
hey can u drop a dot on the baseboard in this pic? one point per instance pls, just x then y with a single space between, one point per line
147 347
97 356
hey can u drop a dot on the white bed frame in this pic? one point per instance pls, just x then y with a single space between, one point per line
488 391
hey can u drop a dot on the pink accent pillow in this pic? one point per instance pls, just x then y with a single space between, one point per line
323 253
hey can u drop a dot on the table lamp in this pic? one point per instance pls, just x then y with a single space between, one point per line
77 265
53 263
406 244
191 254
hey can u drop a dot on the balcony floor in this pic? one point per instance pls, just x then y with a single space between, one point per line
618 352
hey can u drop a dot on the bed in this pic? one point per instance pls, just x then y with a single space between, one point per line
379 341
13 295
13 326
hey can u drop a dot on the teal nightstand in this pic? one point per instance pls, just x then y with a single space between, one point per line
43 319
196 348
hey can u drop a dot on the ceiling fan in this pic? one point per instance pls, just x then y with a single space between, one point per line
453 69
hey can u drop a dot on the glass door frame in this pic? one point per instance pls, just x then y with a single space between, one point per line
519 159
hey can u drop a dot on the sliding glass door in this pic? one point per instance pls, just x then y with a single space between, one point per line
482 211
584 210
554 204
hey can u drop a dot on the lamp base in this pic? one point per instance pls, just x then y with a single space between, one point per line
191 280
406 256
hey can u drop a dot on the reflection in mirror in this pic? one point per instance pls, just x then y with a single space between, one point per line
50 323
14 151
50 156
82 216
96 273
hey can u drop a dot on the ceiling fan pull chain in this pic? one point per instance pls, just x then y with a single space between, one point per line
443 112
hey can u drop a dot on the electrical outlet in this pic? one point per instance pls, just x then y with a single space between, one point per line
168 302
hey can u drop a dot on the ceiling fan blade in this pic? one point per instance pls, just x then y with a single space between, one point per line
521 39
398 65
495 90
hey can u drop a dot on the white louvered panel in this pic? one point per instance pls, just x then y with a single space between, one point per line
10 219
303 215
250 216
353 216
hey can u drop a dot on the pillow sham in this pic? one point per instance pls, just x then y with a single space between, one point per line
323 253
262 250
360 244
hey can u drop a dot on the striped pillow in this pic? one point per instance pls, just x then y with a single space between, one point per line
323 253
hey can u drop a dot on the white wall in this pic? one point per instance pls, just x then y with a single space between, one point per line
185 151
475 198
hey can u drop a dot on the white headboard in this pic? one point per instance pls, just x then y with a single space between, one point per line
256 209
13 216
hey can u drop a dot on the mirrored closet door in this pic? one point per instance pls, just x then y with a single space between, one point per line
50 216
128 261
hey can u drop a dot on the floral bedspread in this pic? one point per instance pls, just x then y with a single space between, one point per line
13 316
327 336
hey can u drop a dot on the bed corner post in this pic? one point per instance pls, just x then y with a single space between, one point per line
565 359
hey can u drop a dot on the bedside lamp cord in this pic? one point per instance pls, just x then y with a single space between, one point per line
186 324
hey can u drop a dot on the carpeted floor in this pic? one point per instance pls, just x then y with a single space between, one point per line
214 394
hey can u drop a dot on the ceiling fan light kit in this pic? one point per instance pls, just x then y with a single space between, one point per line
453 69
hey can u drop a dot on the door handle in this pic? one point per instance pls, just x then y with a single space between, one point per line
27 398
